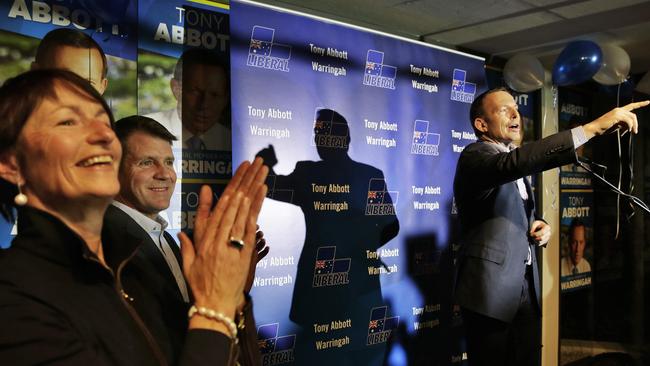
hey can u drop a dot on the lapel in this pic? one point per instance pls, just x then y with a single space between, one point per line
148 251
530 204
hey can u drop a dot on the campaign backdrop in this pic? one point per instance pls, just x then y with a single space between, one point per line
362 131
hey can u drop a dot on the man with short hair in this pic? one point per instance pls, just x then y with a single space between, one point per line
75 51
154 284
574 262
497 282
147 180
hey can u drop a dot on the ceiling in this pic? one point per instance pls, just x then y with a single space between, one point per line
499 29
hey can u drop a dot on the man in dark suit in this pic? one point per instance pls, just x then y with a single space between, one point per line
497 283
154 282
147 180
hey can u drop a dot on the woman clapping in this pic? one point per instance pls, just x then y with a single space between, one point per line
61 294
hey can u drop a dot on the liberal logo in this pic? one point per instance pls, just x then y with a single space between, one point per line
380 201
331 133
424 142
329 270
380 327
461 90
284 195
377 73
265 53
275 350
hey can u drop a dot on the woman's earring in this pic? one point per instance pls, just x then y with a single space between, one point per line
20 199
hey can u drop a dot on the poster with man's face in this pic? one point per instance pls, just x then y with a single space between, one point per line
184 84
576 235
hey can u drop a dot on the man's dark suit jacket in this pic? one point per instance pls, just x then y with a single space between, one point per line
151 285
153 292
495 222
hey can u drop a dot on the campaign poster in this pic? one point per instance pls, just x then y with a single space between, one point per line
184 84
576 239
362 131
96 40
577 234
576 202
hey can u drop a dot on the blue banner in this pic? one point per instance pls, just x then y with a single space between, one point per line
362 131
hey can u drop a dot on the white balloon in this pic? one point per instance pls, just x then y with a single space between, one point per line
644 84
616 65
523 73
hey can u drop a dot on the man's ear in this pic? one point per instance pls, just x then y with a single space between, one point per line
9 170
480 124
176 87
102 86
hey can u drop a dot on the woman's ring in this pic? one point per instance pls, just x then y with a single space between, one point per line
237 243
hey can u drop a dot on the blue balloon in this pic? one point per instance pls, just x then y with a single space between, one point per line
578 62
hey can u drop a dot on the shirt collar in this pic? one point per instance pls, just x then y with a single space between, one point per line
500 145
149 225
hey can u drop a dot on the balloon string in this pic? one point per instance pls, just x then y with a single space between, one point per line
620 169
630 154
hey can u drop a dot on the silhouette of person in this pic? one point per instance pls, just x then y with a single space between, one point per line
349 214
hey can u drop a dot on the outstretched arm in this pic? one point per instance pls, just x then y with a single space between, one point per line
281 187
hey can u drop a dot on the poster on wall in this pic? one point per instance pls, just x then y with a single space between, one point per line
577 239
96 40
183 78
576 204
362 132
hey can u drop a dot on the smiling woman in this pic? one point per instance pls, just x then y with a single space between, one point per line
68 142
58 127
61 294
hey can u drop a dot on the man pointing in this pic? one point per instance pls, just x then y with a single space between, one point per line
498 281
